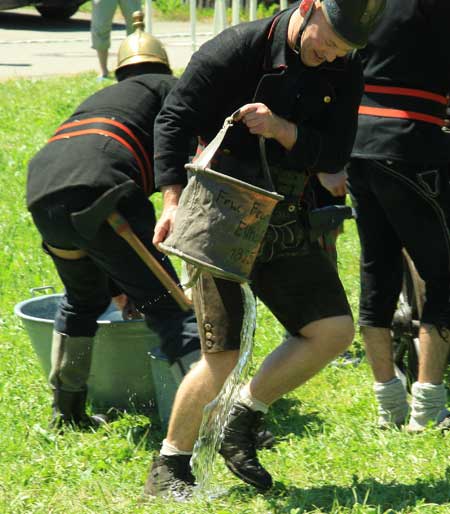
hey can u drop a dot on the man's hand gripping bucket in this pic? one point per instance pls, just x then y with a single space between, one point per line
220 221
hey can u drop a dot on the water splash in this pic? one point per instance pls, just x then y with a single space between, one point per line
151 301
216 413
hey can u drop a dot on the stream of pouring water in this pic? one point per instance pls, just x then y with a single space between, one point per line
216 413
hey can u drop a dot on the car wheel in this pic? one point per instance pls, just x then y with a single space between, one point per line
58 13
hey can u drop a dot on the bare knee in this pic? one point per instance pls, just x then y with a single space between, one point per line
336 331
220 363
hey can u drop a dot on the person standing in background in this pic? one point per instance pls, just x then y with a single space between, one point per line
399 182
101 25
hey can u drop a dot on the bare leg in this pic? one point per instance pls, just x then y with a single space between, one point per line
299 358
199 387
103 61
291 364
433 354
389 391
378 345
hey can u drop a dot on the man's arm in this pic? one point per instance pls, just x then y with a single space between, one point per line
438 14
261 121
197 105
335 183
171 195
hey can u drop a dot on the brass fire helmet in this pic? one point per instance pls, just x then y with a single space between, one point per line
140 46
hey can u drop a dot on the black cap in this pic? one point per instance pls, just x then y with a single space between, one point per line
353 20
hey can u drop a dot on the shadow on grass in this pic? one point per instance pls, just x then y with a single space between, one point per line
145 431
284 418
369 492
149 437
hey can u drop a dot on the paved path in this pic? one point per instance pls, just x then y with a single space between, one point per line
31 46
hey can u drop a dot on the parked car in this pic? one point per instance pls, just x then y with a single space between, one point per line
54 9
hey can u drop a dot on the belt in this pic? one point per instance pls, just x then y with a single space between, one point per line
404 103
116 130
70 255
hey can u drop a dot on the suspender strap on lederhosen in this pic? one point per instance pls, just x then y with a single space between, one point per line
116 130
403 102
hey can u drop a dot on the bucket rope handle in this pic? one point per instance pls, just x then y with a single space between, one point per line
193 280
208 152
265 163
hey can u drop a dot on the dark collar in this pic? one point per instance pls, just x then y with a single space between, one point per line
276 55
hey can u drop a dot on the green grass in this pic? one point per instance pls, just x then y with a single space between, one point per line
330 459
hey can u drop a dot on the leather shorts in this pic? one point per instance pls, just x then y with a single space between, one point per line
297 289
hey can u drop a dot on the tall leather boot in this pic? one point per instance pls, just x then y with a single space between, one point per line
70 365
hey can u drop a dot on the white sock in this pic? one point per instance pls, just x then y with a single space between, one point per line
251 402
392 403
428 405
169 450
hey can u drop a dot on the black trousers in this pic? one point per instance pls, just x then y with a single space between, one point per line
401 205
87 281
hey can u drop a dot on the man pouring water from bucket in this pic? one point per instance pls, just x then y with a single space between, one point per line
290 87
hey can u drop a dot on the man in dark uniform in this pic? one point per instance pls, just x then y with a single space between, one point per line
399 180
298 84
99 161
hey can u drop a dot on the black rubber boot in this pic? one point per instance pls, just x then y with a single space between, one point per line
71 361
69 409
239 447
82 419
170 477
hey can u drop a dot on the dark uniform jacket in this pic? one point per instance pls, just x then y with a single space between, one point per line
110 143
252 62
408 76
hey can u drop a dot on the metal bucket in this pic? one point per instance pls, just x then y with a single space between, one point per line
220 223
126 359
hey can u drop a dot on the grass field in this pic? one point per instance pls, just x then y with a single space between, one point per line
330 457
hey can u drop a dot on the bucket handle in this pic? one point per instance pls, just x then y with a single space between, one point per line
35 290
192 281
208 152
265 164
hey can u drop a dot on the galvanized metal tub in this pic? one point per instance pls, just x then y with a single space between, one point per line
128 372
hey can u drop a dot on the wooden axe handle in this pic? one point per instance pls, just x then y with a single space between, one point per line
123 229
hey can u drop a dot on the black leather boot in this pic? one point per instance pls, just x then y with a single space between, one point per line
264 439
239 447
170 477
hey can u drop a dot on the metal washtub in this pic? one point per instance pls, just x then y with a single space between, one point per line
128 372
